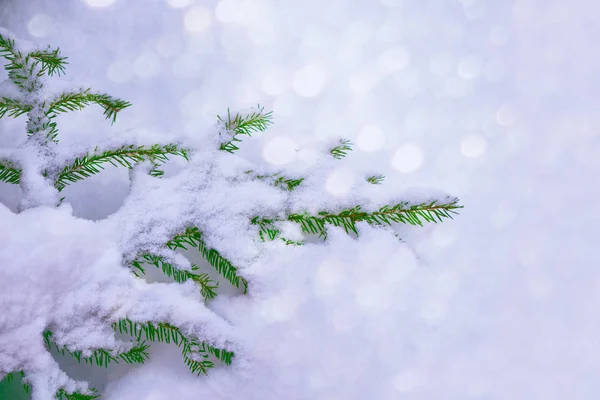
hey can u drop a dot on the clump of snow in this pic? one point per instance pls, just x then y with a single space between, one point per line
65 274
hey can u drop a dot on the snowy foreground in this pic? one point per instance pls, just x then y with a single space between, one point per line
492 102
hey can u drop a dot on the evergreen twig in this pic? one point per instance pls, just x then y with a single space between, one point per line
195 353
340 151
207 286
13 108
63 395
257 121
50 61
192 237
9 174
125 156
386 215
72 101
101 357
376 179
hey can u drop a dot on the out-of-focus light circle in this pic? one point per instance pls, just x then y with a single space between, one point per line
285 104
190 103
494 70
275 82
441 64
370 138
147 65
40 25
393 60
228 11
339 182
99 3
473 146
279 151
309 80
169 46
197 19
120 71
363 81
506 116
470 67
180 3
408 158
371 298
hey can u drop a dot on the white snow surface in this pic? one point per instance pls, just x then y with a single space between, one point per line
493 102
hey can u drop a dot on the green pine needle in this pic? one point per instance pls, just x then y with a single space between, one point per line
9 174
13 108
279 180
387 215
195 353
7 48
125 156
266 230
11 377
63 395
50 61
73 101
342 149
192 238
376 179
257 121
207 286
101 357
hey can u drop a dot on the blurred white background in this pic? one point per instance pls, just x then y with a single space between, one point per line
492 101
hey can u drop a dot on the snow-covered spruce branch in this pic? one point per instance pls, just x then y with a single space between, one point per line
386 215
138 354
63 395
26 71
12 376
9 174
200 177
207 286
242 124
13 107
192 238
73 101
194 352
125 156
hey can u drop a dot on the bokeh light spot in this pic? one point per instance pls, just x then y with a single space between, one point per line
473 146
275 82
506 116
370 138
147 65
120 71
393 60
309 80
197 19
180 3
408 158
40 25
99 3
228 11
470 67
